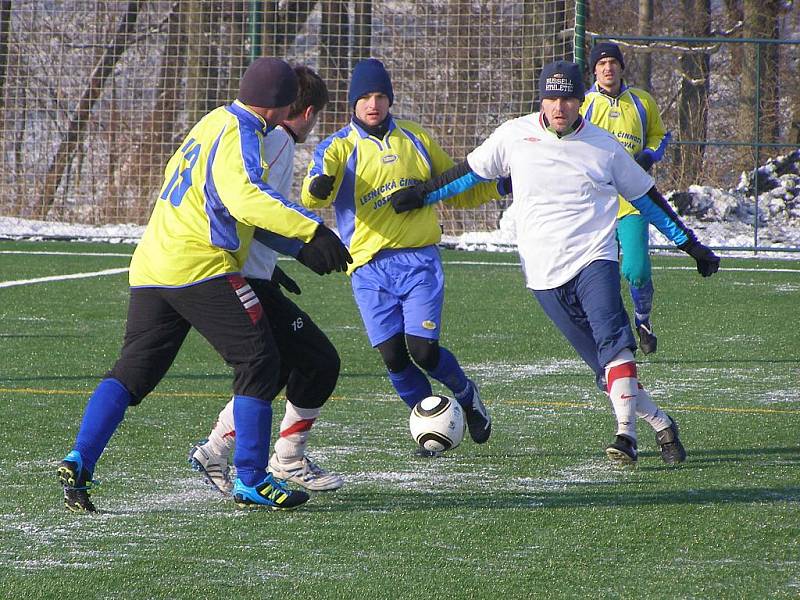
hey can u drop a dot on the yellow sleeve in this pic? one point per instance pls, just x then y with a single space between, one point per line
238 178
328 160
655 126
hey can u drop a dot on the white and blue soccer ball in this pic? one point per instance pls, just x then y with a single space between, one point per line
437 423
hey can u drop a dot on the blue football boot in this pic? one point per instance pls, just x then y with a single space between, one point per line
269 493
77 482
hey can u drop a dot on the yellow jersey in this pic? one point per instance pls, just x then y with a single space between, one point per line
632 116
215 194
367 170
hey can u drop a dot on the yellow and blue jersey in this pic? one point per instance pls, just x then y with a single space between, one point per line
367 171
215 194
633 118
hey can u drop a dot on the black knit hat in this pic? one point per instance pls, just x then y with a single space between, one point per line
369 76
268 83
561 79
605 50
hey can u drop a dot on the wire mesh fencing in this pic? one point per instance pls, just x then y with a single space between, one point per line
96 95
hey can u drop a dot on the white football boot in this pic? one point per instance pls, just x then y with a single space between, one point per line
214 467
305 472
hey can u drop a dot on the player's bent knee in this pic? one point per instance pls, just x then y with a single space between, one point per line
137 387
394 354
257 379
424 352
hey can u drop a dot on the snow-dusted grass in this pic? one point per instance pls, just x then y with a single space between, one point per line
537 512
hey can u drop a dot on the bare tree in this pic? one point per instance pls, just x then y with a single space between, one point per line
362 30
80 117
645 61
334 59
282 22
758 100
5 28
693 95
160 134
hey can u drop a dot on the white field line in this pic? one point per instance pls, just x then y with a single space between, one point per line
655 268
53 253
5 284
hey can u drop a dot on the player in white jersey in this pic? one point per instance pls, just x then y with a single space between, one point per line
309 362
566 174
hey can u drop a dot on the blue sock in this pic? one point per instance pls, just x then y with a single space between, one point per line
252 419
642 302
103 414
449 372
411 384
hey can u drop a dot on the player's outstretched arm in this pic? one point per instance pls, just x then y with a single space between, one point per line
452 182
657 211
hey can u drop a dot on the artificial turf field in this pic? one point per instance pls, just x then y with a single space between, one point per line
537 512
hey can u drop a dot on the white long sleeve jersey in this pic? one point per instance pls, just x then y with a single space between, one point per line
278 152
565 189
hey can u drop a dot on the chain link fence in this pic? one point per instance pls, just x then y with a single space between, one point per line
96 95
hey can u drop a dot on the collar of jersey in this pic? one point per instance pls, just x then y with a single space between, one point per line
363 133
622 89
545 124
244 113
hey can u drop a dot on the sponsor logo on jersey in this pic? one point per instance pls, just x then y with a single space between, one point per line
429 324
614 114
389 158
532 139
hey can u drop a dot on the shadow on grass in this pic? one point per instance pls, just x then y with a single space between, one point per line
732 455
719 361
390 502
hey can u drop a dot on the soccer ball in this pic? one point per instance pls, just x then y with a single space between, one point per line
437 423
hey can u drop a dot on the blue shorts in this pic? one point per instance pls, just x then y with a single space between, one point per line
401 291
588 310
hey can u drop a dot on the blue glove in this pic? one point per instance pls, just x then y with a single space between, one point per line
321 186
645 159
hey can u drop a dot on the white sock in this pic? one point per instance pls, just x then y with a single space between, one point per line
650 412
295 426
222 438
623 389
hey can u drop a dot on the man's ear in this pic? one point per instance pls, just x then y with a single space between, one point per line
308 113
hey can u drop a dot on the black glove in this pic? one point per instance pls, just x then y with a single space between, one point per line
282 279
407 199
645 159
707 261
321 186
325 252
504 187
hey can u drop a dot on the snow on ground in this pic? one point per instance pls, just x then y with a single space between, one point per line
722 219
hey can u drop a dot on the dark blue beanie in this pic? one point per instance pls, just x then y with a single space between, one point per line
369 76
605 50
268 83
561 79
